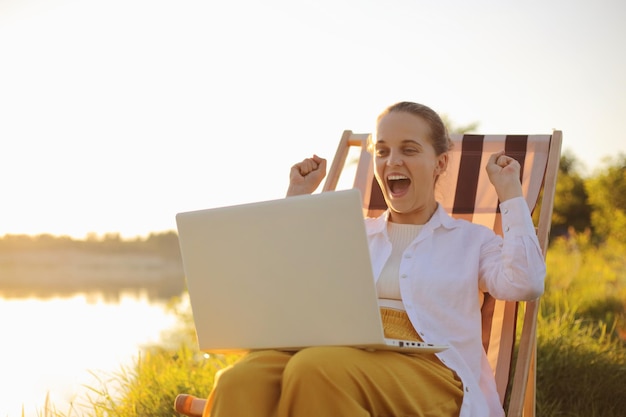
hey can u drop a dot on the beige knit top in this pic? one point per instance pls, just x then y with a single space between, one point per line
388 284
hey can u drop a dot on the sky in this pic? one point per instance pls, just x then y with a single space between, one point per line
117 114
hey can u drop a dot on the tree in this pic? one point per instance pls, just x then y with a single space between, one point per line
454 128
607 196
571 202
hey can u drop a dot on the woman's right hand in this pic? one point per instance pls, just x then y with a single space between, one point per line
306 176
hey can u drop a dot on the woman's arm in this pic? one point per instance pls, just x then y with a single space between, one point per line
512 268
306 176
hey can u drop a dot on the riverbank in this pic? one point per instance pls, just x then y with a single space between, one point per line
45 266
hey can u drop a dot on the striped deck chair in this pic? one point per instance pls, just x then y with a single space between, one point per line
465 192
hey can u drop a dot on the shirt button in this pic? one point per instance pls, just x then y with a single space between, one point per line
506 229
505 211
408 256
403 276
466 389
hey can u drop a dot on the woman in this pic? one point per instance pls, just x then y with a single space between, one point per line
430 270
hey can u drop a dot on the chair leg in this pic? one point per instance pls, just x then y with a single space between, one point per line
189 405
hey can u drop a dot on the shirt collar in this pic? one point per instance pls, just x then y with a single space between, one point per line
439 219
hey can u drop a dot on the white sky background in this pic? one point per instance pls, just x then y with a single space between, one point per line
117 114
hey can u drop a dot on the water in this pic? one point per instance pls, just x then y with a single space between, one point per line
49 346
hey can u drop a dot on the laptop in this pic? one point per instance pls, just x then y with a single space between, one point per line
284 274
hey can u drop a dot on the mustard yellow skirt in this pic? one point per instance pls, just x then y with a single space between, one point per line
331 381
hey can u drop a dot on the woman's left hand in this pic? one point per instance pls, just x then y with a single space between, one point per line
504 174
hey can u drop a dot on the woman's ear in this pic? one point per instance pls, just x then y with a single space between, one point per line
442 163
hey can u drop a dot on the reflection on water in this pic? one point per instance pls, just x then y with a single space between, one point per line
49 346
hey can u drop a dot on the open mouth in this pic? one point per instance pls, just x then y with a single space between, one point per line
398 184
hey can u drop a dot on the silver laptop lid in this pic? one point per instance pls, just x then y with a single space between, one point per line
284 273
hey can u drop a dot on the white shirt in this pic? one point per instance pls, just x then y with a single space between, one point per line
442 273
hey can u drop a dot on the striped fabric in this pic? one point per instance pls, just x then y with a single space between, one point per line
464 189
465 192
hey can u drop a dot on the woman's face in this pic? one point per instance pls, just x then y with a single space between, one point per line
406 166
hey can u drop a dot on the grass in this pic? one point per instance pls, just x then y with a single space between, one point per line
581 361
150 386
581 350
581 369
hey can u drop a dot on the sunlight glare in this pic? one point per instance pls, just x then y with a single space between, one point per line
49 346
